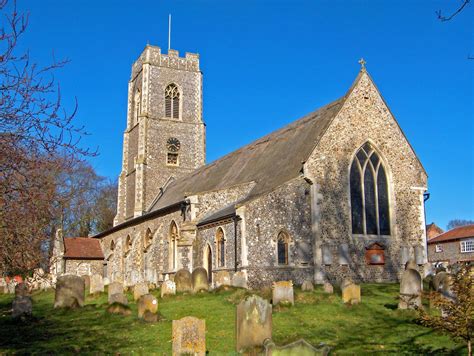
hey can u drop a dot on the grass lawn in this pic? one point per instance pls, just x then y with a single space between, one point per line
374 326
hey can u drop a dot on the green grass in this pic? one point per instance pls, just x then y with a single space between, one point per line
374 326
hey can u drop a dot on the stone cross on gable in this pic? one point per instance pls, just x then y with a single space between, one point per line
362 63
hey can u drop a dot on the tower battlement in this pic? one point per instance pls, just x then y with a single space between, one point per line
153 56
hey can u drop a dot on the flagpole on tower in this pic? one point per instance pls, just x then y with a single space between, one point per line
169 32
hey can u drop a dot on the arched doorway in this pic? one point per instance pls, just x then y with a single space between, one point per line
207 262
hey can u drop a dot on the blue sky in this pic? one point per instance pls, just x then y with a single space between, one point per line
266 63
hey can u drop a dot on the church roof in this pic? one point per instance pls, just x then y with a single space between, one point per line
269 162
82 248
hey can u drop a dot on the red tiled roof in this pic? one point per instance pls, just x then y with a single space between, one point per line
82 248
454 234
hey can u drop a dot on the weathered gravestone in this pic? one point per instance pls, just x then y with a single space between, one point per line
87 282
282 292
115 288
3 286
297 348
239 279
222 279
328 288
22 306
442 282
96 284
350 292
410 290
183 280
140 289
200 281
307 286
119 308
70 292
21 290
168 288
253 323
118 298
147 302
189 336
411 264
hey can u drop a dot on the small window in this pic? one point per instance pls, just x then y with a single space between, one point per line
467 246
112 245
172 159
173 246
172 97
282 248
220 247
147 240
439 248
128 245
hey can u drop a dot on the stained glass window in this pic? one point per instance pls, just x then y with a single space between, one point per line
282 248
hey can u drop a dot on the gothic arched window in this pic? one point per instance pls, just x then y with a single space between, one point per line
220 242
148 239
112 245
282 248
173 244
369 194
128 245
172 97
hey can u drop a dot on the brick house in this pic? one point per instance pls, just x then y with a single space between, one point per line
433 230
456 245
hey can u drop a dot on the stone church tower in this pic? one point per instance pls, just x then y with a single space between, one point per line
165 134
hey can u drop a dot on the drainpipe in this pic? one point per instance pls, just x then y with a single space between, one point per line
236 218
426 196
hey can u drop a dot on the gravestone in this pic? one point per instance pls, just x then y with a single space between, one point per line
297 348
222 279
200 281
350 292
411 264
410 290
96 284
183 280
139 289
70 292
147 302
150 317
442 283
189 336
282 292
328 288
118 298
115 288
106 281
307 286
168 288
3 286
21 290
253 322
119 308
239 279
87 282
22 306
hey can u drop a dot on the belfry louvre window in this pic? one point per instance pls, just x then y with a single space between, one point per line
369 194
220 242
282 248
172 97
172 159
467 246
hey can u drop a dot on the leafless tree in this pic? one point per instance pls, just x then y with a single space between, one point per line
443 18
38 140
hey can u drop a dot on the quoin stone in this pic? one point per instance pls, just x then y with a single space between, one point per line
183 280
189 336
282 292
253 323
410 290
96 284
200 281
168 288
140 289
147 302
70 292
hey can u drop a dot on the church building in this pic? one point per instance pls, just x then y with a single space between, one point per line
337 193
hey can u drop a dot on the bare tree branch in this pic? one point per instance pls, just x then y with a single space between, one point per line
447 18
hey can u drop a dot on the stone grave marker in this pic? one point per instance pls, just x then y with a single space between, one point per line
307 286
168 288
118 298
410 290
147 302
87 282
328 288
222 279
140 289
282 292
70 292
200 281
411 265
189 336
22 306
253 322
183 280
115 288
96 284
239 279
350 292
297 348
